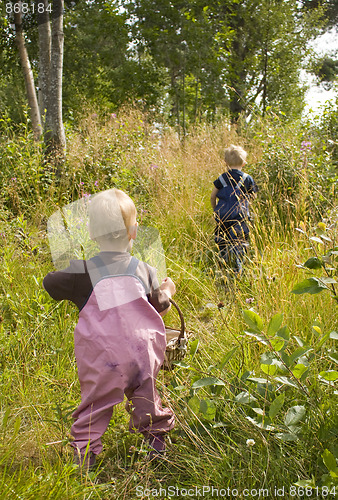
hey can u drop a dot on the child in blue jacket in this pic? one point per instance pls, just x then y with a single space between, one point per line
233 190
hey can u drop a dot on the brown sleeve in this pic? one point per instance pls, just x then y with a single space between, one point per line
157 297
59 285
68 285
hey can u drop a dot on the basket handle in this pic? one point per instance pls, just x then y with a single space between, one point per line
182 330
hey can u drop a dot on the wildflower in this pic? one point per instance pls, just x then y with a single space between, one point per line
250 300
250 442
142 212
96 183
306 146
153 166
13 179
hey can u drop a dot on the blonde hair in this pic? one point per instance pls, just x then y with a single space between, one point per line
111 214
235 156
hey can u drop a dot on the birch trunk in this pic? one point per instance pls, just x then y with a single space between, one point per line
28 73
54 131
44 56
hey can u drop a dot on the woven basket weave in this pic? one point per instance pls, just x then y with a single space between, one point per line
177 341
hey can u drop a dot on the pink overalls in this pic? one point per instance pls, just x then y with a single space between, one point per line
119 349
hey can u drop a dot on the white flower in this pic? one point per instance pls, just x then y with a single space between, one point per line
250 442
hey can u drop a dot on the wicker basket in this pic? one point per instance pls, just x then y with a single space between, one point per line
177 341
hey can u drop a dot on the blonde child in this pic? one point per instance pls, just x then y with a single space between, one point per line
233 189
120 337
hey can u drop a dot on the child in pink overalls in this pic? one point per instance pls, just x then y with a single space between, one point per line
120 336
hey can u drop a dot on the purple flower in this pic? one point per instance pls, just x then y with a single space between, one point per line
96 183
142 212
250 300
153 166
306 146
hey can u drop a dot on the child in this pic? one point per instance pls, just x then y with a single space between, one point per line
120 336
233 190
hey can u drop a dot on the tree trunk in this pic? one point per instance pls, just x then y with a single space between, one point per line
54 131
237 82
27 71
44 56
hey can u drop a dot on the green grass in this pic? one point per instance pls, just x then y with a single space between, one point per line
208 447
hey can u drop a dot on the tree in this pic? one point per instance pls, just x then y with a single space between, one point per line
51 63
50 49
27 71
266 55
182 37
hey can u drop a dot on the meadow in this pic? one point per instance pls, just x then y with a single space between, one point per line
255 398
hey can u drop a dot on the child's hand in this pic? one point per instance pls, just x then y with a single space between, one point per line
168 286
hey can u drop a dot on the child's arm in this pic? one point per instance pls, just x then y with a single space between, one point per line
213 197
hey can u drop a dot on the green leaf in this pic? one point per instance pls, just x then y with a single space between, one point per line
253 320
276 405
286 381
245 398
286 436
318 240
329 461
330 375
294 415
204 408
306 483
299 370
258 380
326 280
268 358
310 285
277 343
227 357
323 339
333 356
261 424
208 409
269 369
283 333
261 338
275 324
207 381
194 347
299 352
313 263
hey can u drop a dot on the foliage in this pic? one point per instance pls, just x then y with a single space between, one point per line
325 240
185 60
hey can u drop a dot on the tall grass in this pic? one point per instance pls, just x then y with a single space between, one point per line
170 182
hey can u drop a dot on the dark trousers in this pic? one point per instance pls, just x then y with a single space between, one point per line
232 242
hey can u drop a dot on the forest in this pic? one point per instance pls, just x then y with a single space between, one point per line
145 96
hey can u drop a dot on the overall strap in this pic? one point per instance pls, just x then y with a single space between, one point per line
241 181
132 266
100 266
